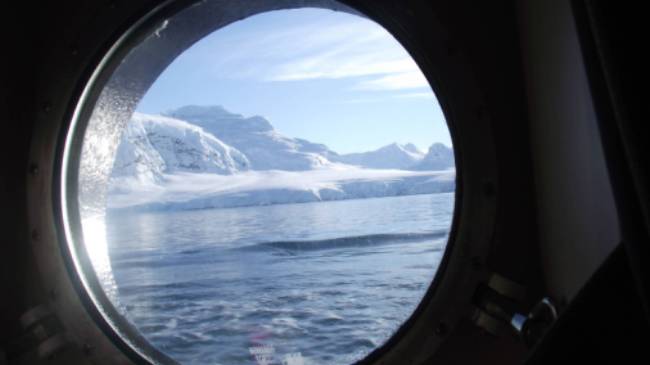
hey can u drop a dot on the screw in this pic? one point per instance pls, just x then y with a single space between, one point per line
476 262
52 294
441 329
33 169
35 235
489 189
87 349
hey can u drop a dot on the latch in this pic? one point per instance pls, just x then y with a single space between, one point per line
40 332
499 303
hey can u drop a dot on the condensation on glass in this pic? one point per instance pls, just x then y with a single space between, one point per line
325 281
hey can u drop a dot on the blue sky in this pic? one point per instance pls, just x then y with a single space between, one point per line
325 76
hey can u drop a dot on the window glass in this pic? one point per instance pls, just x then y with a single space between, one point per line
282 194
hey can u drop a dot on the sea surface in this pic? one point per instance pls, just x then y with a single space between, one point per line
294 284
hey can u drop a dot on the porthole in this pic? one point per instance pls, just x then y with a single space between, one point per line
206 233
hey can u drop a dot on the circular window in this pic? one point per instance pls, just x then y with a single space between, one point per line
276 190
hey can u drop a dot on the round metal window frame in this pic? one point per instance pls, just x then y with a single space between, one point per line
447 300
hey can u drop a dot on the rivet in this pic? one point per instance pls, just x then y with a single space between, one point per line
488 188
47 107
441 329
87 349
33 169
36 235
476 262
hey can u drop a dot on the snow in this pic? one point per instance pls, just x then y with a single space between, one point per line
438 157
393 156
265 148
251 188
206 157
154 145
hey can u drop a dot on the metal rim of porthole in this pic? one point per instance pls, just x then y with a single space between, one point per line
76 296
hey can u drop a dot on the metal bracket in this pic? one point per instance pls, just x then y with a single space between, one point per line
41 332
498 303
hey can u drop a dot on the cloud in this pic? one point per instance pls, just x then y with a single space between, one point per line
338 46
417 95
337 65
413 79
383 97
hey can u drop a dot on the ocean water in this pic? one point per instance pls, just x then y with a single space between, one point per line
317 283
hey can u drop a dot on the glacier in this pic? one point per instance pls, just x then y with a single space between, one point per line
199 157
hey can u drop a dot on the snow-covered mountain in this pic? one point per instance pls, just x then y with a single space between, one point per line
392 156
439 157
202 157
265 148
403 157
155 145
